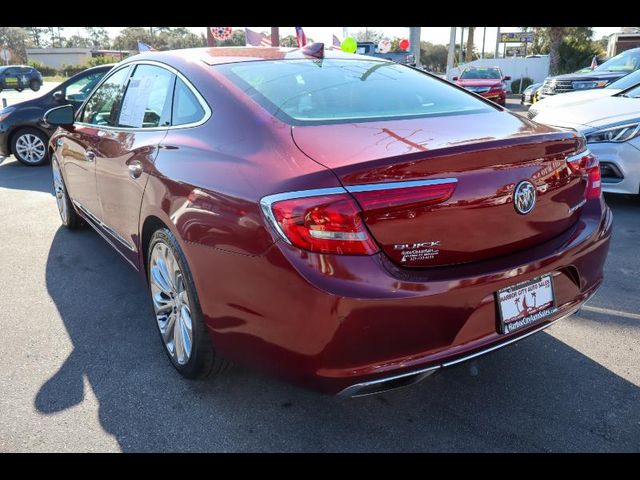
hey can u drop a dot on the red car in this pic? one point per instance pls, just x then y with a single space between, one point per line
485 81
339 221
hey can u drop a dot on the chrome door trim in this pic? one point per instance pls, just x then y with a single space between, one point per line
208 113
104 226
372 187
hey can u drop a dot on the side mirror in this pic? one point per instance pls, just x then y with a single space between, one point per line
454 78
58 96
61 116
507 77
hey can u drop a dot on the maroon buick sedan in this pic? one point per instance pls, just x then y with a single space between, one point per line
342 222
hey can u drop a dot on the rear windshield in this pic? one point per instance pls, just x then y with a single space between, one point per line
313 92
481 74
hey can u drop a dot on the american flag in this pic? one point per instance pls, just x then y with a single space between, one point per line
594 62
301 37
336 42
256 39
143 47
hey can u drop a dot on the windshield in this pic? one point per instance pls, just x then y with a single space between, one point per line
626 81
632 92
302 92
481 74
628 61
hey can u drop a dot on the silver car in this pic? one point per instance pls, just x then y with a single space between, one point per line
612 128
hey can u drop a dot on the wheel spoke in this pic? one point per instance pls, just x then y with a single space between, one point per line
169 327
178 341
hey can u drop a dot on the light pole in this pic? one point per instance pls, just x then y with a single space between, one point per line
452 50
497 44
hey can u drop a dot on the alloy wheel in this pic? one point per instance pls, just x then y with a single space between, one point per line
171 303
30 148
59 192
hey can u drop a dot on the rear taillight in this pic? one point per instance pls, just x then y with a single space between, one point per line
403 195
324 224
587 165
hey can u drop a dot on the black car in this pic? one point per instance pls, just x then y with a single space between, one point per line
528 97
610 71
24 133
19 77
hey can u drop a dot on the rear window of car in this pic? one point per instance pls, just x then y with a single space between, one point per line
313 92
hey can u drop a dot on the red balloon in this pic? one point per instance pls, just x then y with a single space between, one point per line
404 44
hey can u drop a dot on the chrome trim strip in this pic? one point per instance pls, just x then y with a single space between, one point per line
265 203
203 103
578 156
393 185
103 225
351 391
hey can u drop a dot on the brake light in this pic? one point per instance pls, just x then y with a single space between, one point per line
324 224
587 165
410 195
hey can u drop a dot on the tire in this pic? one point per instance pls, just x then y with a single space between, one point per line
34 85
194 356
29 146
68 214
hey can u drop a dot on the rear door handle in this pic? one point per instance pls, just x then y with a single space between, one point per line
135 170
89 156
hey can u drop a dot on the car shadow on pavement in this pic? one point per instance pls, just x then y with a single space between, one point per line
17 176
536 395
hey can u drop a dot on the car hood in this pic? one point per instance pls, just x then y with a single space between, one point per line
478 82
572 98
595 113
591 76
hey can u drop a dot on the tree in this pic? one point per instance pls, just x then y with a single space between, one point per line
17 40
569 48
76 41
176 38
469 54
237 39
433 57
37 35
98 37
129 37
292 42
368 36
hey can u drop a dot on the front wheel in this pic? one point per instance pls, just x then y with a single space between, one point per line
30 147
68 214
177 309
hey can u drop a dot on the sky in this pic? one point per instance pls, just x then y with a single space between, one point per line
437 35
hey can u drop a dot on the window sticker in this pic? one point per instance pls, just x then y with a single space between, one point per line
136 101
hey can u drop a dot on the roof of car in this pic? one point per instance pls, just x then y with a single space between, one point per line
220 55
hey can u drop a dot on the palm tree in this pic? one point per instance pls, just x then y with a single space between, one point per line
556 34
469 54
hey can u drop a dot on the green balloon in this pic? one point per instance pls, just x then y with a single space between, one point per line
349 45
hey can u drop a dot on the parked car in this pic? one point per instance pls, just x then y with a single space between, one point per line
488 82
19 77
351 228
611 126
573 98
529 95
23 132
610 71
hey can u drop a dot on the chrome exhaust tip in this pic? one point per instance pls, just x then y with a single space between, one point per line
385 384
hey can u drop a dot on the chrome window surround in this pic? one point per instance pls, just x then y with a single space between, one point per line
203 103
266 202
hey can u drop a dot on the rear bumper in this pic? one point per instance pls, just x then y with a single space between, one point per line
332 322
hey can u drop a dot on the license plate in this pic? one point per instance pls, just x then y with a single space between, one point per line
526 303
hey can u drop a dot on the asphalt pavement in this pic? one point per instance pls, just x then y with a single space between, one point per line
83 368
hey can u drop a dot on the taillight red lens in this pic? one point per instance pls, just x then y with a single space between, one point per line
404 198
324 224
588 166
594 183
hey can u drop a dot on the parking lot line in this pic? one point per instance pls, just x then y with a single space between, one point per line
609 311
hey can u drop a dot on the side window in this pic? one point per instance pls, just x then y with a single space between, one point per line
102 107
186 107
147 101
78 90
